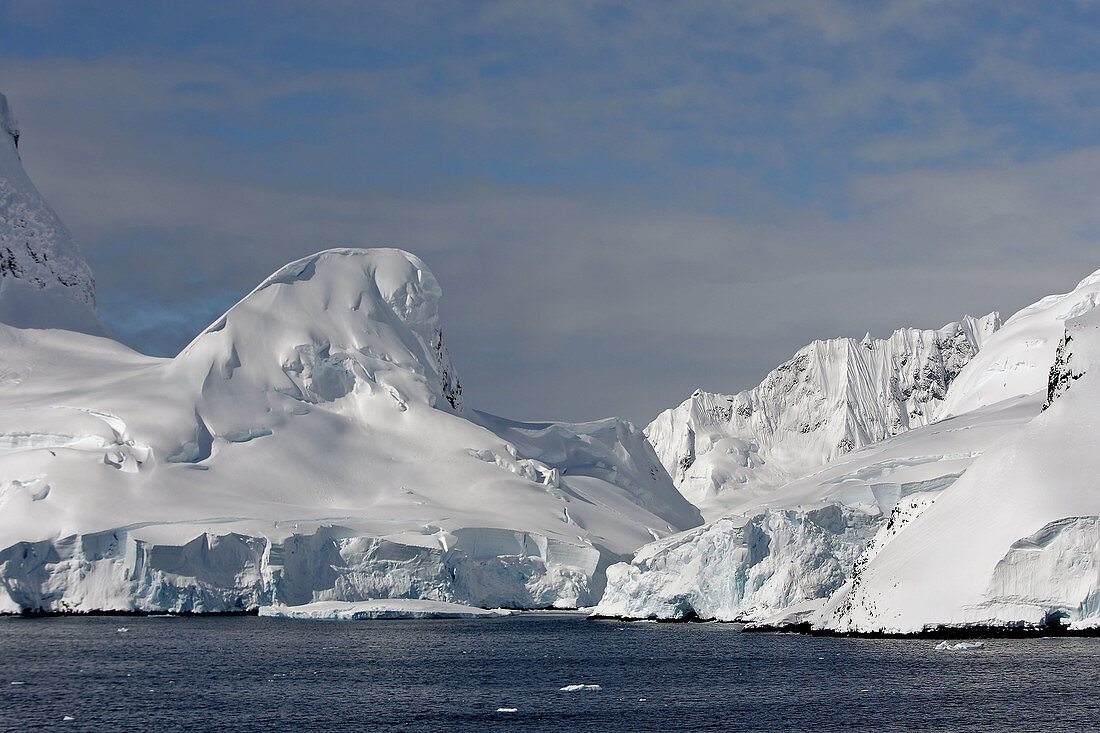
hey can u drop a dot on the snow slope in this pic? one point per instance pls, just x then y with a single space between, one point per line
44 280
832 397
781 556
311 445
987 515
1016 539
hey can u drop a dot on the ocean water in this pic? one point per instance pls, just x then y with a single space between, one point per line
259 674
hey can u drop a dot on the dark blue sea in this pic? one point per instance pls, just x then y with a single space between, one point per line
260 674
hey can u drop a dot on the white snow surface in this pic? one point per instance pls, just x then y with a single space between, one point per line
1017 539
389 608
1016 360
44 279
778 558
312 444
831 398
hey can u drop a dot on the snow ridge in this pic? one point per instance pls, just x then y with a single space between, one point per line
831 398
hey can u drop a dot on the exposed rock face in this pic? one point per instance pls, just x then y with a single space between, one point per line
833 397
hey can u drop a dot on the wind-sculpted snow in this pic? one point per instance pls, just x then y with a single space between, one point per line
311 444
1016 540
44 280
833 397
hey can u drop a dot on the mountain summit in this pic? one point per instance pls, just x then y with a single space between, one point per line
44 279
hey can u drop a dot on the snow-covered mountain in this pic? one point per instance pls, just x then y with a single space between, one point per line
986 516
312 444
832 397
44 280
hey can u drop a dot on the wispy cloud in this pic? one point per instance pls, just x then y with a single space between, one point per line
622 201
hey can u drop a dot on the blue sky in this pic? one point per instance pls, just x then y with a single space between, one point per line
622 201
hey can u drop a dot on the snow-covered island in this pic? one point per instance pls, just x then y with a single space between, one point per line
311 454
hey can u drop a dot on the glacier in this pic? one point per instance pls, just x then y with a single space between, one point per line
831 398
313 444
982 516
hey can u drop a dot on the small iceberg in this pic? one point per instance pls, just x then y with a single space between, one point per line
383 608
122 629
579 688
507 710
962 646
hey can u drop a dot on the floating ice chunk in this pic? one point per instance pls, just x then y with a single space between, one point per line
962 646
68 717
579 688
383 608
19 683
122 629
507 710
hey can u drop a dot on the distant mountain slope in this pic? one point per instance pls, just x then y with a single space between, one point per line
833 397
44 280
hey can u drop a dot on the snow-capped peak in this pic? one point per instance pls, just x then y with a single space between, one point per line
328 324
832 397
1016 361
44 279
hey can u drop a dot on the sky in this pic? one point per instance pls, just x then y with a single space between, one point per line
623 202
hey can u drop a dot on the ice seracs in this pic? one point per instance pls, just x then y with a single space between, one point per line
44 279
831 398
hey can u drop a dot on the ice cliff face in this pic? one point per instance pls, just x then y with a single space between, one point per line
833 397
44 280
985 516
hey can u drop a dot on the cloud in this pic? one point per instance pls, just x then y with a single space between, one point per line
622 202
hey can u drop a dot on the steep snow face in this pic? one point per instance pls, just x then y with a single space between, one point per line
1017 538
1017 359
44 280
311 445
781 557
831 398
